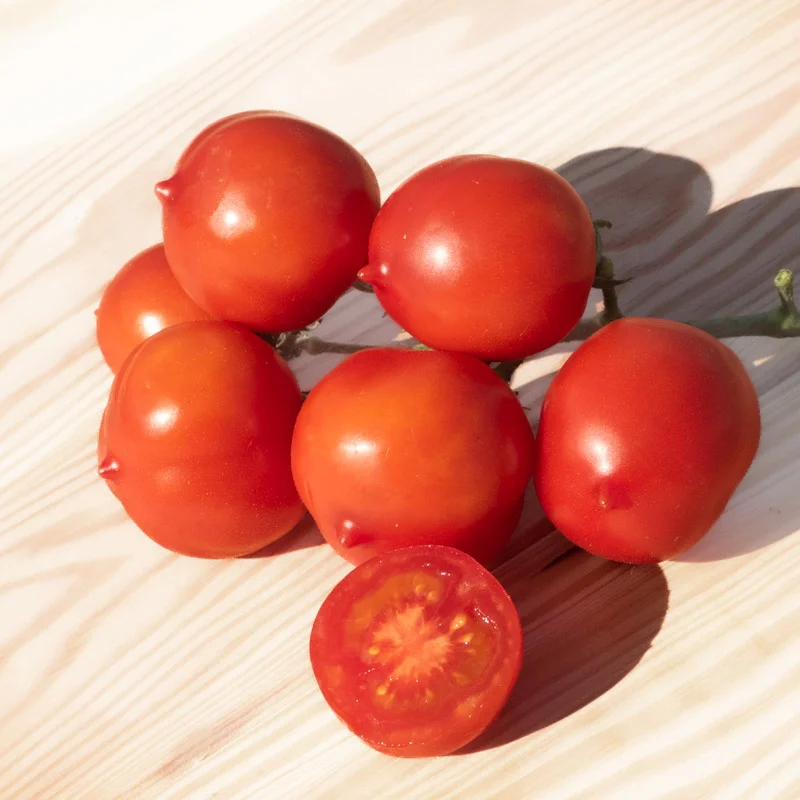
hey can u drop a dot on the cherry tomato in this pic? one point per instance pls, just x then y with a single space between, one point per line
483 255
644 435
142 299
266 219
211 129
196 440
399 447
417 650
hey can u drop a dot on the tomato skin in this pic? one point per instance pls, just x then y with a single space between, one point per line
417 673
644 435
141 299
211 129
483 255
196 438
266 219
398 447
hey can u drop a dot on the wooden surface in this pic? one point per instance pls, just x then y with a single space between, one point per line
128 672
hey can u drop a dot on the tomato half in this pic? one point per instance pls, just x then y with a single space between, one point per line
143 298
644 435
196 439
267 218
483 255
417 650
399 447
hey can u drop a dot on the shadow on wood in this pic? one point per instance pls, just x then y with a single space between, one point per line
688 262
304 534
587 623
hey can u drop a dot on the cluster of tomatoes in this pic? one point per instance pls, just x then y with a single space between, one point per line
412 462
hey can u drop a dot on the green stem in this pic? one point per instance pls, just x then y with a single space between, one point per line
605 279
779 323
506 369
604 276
314 346
782 322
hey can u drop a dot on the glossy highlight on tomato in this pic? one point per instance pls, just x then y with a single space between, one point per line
417 650
483 255
142 299
196 438
266 220
644 435
398 447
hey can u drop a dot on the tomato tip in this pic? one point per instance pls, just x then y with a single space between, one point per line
108 468
350 535
164 190
373 273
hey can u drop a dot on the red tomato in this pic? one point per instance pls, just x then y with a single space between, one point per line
267 218
142 299
417 650
399 447
483 255
644 435
213 128
196 440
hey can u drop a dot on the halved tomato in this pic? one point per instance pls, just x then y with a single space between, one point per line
417 650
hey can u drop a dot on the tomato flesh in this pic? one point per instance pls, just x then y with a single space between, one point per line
417 650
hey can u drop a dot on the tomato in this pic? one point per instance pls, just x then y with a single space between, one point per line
266 219
400 447
417 650
212 129
142 299
483 255
196 440
644 435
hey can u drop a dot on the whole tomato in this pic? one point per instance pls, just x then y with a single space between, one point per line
141 299
267 218
196 440
400 447
483 255
644 435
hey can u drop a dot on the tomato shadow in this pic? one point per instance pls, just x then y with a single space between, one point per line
687 261
304 535
587 623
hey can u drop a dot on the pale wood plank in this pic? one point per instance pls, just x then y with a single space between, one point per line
129 672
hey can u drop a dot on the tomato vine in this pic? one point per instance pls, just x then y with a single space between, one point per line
781 322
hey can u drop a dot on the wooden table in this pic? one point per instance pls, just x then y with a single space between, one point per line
129 672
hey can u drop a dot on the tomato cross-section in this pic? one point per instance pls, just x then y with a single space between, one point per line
417 650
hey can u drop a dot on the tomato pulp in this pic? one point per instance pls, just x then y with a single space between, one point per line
483 255
644 435
196 440
417 650
398 447
267 218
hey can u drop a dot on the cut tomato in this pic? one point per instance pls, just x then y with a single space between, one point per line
417 650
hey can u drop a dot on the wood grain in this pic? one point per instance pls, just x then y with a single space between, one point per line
128 672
